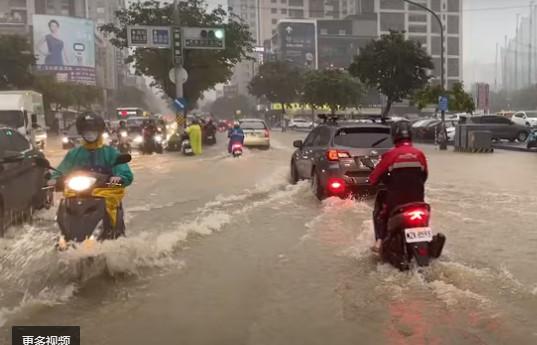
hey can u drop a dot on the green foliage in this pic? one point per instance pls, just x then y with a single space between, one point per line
225 107
128 95
205 68
62 95
459 100
16 61
394 66
334 88
278 81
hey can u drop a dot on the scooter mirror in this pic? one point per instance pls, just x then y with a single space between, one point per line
123 159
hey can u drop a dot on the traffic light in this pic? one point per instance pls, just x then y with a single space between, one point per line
204 38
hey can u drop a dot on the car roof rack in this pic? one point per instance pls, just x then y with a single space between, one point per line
330 119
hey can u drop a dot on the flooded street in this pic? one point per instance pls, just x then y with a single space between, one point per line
226 251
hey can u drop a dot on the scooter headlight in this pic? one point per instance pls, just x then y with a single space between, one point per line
81 183
123 134
139 139
65 140
106 135
158 138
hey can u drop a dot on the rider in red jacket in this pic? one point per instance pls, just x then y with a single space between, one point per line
404 171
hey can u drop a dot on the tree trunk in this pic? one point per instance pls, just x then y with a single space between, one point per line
387 109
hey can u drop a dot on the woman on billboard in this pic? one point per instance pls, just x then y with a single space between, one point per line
55 54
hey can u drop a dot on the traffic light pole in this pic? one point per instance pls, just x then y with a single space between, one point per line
178 64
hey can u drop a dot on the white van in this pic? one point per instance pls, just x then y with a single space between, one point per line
23 110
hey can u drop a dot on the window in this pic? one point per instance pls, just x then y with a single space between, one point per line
18 143
421 39
364 137
273 1
100 10
453 5
435 45
500 120
420 18
296 13
273 10
453 46
324 137
274 21
453 25
283 11
253 125
312 137
453 67
392 21
342 32
296 3
392 5
519 115
417 28
283 1
435 5
324 31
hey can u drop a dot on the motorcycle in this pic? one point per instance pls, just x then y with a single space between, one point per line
409 236
210 139
236 150
186 147
85 214
150 143
124 145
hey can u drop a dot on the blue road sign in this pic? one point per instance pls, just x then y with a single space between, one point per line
180 103
443 103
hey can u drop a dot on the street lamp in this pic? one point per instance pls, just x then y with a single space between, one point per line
443 137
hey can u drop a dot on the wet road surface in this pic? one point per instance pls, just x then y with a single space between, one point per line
225 251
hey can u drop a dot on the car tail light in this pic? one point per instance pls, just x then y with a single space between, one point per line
336 185
416 217
267 134
335 155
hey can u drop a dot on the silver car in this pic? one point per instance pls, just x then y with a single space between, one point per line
256 133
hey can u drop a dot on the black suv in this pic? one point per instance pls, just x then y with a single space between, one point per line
21 180
333 156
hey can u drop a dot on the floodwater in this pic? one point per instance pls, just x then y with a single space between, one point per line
225 251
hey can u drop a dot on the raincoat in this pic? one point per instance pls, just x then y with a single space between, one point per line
194 134
98 155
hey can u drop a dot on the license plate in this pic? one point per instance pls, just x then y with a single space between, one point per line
415 235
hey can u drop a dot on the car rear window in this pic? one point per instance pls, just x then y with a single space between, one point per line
252 125
363 137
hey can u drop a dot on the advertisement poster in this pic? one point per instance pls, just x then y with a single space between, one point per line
66 47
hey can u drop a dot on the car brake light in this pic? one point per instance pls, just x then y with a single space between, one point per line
417 217
336 185
335 155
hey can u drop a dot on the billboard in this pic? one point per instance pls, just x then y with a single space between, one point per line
65 46
298 42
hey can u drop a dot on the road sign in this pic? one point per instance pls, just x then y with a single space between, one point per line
149 36
177 45
183 75
204 38
180 103
443 103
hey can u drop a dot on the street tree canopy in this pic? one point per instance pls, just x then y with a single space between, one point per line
16 60
394 66
459 100
334 88
206 68
278 81
225 107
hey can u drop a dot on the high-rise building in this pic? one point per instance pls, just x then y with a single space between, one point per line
16 16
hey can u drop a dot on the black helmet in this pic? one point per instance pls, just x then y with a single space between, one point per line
90 122
401 130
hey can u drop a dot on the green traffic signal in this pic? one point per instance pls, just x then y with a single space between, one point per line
219 34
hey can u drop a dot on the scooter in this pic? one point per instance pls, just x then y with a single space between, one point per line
124 145
186 147
82 214
410 237
236 150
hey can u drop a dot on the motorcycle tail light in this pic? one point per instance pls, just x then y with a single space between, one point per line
416 217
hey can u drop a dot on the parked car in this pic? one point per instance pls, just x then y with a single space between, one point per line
525 118
21 180
501 127
425 130
332 157
256 133
300 123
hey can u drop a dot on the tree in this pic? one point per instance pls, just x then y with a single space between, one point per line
16 61
459 100
205 68
278 81
225 107
334 88
394 66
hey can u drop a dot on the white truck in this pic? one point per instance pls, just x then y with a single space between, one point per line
23 110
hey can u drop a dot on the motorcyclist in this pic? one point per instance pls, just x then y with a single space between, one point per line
235 135
209 130
194 135
404 171
93 154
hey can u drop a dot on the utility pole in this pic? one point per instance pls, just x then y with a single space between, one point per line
443 136
516 53
530 52
496 70
178 61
